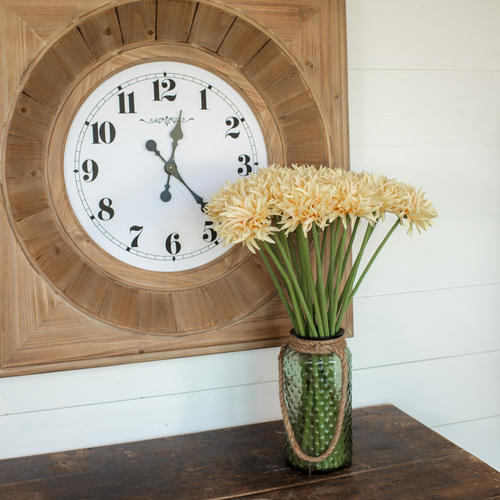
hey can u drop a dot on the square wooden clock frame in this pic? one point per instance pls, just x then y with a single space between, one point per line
62 306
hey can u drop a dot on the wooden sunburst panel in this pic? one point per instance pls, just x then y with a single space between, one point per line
127 274
231 299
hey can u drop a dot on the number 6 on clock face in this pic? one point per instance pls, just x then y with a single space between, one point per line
145 152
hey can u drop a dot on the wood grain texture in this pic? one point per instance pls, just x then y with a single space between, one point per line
22 45
298 114
174 19
51 345
242 42
274 54
137 21
395 457
47 20
210 27
102 32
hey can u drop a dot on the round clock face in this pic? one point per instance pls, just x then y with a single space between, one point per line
145 152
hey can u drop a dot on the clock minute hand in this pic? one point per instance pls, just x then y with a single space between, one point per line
176 134
171 169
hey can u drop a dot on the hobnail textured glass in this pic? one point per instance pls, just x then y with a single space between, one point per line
312 387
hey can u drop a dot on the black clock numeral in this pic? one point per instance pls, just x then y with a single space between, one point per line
135 241
173 246
203 99
169 85
122 103
106 133
90 168
248 169
209 233
105 206
233 123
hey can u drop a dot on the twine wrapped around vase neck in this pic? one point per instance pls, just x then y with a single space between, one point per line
333 346
330 346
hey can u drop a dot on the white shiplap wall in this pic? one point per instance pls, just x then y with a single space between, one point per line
424 96
424 82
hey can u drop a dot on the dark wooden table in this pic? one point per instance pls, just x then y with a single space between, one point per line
395 457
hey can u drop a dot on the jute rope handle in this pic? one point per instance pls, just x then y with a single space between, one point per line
336 346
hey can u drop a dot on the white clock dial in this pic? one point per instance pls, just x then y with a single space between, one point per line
145 152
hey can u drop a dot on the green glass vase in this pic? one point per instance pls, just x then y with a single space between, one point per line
312 391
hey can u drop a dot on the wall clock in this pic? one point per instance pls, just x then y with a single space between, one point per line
145 152
121 123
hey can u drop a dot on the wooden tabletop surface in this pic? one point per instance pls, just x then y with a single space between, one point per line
395 457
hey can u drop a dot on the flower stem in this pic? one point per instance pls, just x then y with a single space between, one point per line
277 284
303 249
293 282
308 277
346 292
372 260
306 434
320 289
330 282
290 286
351 277
349 246
334 309
324 243
295 260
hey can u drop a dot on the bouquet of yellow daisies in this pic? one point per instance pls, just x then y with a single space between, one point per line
303 221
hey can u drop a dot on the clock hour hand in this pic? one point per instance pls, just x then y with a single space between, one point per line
165 195
171 169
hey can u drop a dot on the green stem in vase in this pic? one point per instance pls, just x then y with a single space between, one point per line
320 288
305 265
303 397
352 275
289 285
393 228
277 284
338 277
324 242
303 255
330 283
310 320
317 452
320 402
349 246
284 246
306 430
295 260
311 286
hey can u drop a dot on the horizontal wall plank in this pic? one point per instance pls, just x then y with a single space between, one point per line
479 437
419 165
431 391
402 328
384 336
419 107
436 392
140 380
459 251
416 34
127 421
